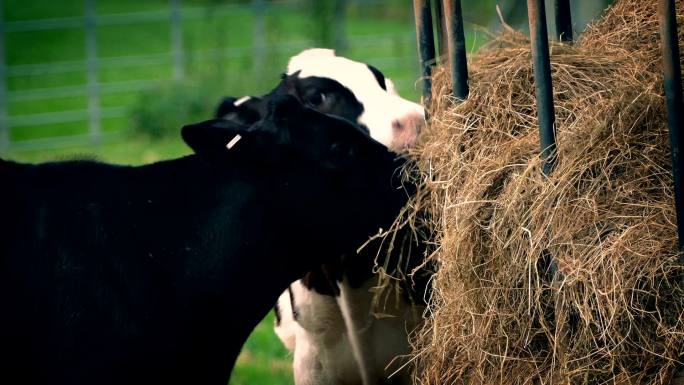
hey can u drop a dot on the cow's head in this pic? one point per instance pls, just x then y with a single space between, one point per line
355 91
245 110
320 159
288 131
341 87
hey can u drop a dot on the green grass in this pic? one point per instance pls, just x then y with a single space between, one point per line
47 46
136 150
261 354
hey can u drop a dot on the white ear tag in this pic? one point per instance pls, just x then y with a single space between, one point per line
233 141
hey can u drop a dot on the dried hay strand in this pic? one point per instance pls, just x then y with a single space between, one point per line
606 215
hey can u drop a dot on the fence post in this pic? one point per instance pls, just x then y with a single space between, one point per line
426 44
259 33
544 92
673 92
4 122
563 20
93 85
339 24
442 28
177 41
457 52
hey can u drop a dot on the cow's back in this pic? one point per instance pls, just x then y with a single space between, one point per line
90 276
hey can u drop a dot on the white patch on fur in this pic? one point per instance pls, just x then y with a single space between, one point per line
241 100
391 88
322 352
381 107
322 340
287 328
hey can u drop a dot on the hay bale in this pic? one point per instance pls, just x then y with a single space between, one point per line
606 215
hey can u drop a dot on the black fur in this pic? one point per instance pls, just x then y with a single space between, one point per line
379 76
337 100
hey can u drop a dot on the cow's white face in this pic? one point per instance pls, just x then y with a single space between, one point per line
390 119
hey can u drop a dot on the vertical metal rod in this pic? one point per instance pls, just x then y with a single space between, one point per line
177 40
4 122
442 43
93 85
563 20
457 51
673 93
542 82
544 92
426 43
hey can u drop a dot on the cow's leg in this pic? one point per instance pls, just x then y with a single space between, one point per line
355 306
380 347
321 354
307 365
285 324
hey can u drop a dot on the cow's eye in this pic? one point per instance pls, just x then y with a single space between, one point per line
316 99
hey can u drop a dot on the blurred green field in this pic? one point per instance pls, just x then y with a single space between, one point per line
218 59
264 360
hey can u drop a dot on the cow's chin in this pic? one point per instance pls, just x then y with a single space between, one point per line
403 142
399 141
398 133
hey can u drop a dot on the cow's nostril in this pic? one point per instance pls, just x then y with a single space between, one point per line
397 124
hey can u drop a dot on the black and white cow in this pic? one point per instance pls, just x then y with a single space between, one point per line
326 318
342 87
157 274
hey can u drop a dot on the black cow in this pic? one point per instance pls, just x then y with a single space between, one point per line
157 274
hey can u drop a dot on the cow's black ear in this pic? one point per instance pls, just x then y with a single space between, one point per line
325 140
213 137
284 110
225 106
289 85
